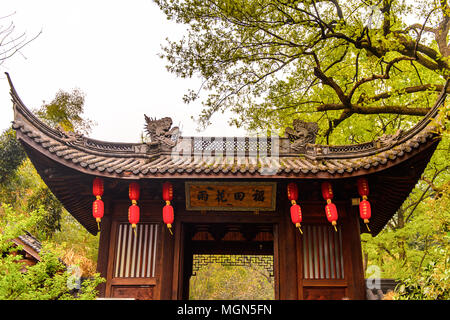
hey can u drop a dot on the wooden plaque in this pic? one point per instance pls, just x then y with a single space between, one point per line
231 196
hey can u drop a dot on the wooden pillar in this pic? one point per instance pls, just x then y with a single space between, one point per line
167 248
287 253
357 283
178 258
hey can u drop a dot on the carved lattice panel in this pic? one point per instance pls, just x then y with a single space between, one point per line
264 261
233 145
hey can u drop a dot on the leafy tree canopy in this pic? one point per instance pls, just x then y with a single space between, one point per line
66 111
375 62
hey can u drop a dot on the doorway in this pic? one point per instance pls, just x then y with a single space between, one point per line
229 261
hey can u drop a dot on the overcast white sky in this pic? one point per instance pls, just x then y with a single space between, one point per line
108 49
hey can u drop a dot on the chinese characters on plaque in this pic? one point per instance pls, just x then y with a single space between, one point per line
230 196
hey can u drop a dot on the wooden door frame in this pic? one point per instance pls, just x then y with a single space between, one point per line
179 258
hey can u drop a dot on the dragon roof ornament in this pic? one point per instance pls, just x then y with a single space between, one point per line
301 134
161 135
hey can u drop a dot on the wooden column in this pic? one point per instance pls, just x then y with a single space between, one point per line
287 252
167 248
358 282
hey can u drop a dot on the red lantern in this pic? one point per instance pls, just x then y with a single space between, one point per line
98 209
327 191
363 188
296 211
330 208
133 216
292 192
296 216
332 214
364 206
97 187
365 212
167 192
133 192
168 216
133 211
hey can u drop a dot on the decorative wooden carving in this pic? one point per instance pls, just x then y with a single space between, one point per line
160 132
301 134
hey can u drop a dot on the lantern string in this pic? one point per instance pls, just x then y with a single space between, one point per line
300 229
368 227
170 230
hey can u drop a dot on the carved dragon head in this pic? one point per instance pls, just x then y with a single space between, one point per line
157 128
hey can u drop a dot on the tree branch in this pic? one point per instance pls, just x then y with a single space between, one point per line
330 82
413 89
387 109
386 74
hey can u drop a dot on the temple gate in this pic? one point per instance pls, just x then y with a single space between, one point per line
229 195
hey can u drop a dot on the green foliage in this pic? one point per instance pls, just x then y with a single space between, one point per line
219 282
46 280
11 155
432 281
35 209
78 246
51 222
414 246
66 111
335 62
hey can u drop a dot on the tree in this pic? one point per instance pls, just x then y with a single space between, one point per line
414 246
11 43
358 68
66 111
11 154
23 189
50 222
46 280
19 183
336 62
